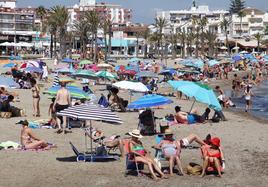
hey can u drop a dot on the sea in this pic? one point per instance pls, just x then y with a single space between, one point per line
259 101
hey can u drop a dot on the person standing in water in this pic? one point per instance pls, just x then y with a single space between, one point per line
248 96
63 101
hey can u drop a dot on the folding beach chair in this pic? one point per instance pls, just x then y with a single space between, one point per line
131 164
147 123
97 156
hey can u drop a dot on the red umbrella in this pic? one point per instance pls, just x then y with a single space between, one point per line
128 72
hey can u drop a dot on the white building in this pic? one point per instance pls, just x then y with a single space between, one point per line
8 3
252 23
87 2
183 18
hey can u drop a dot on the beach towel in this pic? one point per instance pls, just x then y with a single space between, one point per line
9 145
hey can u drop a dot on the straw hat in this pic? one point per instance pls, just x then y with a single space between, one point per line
168 132
135 133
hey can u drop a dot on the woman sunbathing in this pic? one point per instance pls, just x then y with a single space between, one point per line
212 156
171 150
29 140
140 154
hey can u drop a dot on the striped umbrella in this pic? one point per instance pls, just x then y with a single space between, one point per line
91 112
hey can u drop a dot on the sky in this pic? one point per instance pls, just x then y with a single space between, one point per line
144 10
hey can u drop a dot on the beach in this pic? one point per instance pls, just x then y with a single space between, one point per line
244 141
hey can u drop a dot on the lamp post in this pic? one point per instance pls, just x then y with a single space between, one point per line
15 34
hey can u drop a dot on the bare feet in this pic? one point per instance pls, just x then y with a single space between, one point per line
164 177
202 175
156 179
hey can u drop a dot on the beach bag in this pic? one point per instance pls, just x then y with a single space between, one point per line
101 151
103 101
194 169
6 114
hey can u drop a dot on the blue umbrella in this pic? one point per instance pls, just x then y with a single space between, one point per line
68 60
169 71
237 57
134 60
200 92
191 62
9 65
148 101
33 70
213 62
8 82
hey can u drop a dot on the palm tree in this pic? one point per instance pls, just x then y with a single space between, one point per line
211 41
190 38
236 6
160 24
258 37
182 37
241 14
106 30
145 35
137 35
60 16
266 30
153 41
94 24
265 43
41 12
81 28
202 23
225 26
51 26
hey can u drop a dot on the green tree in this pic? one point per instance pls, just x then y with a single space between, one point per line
258 37
41 12
202 24
81 30
236 6
189 40
160 24
265 43
266 30
225 24
93 22
211 42
59 18
182 37
145 34
106 25
241 14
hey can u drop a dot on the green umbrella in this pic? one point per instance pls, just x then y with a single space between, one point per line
75 92
106 75
85 62
87 74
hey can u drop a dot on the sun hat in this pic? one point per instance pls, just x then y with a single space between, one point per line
215 141
168 132
135 133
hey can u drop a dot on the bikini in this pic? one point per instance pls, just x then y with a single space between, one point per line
169 149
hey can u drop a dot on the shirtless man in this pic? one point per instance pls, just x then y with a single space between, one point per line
63 101
190 118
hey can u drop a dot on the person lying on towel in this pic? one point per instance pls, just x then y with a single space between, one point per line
191 117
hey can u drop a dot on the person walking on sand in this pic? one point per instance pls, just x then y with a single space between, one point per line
248 96
62 101
36 98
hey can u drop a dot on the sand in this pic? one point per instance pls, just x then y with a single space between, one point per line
244 141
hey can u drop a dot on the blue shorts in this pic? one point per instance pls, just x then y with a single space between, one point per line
191 119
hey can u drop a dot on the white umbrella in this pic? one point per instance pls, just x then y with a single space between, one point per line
132 86
24 44
223 48
7 44
104 66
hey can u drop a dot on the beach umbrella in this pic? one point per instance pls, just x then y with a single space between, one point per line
169 71
105 74
29 64
148 101
33 70
65 70
237 57
243 52
66 79
104 66
91 112
128 72
76 92
87 74
213 62
133 60
200 92
85 62
8 82
110 60
9 65
131 86
68 60
119 68
94 67
146 74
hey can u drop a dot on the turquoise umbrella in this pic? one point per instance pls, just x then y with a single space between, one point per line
87 74
75 92
105 74
200 92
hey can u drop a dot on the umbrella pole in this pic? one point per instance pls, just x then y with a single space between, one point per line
192 106
91 143
86 139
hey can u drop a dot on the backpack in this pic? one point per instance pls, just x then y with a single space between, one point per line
103 101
